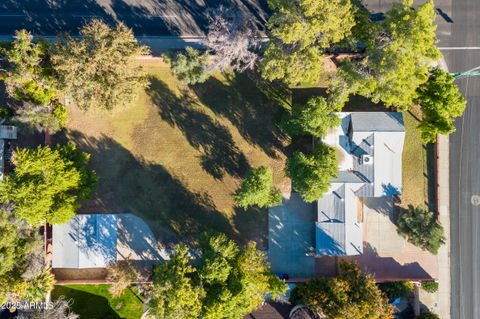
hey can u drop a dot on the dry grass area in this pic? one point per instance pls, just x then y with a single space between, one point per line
176 156
418 170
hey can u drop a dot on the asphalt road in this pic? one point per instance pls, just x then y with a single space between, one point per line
465 164
145 17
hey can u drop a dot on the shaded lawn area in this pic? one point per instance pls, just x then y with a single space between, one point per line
175 157
95 302
418 166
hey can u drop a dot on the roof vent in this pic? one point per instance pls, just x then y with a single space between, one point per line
366 159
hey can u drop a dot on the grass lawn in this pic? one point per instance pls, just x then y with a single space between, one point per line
176 156
418 170
95 302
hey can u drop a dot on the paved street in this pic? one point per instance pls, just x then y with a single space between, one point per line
145 17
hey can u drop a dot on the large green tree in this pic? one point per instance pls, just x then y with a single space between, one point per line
48 185
100 70
441 102
190 66
227 281
311 174
20 250
315 117
421 228
28 78
396 60
257 189
352 294
174 293
301 31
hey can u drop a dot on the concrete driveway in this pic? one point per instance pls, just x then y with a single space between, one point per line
291 236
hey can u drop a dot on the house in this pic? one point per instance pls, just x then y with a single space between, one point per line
369 149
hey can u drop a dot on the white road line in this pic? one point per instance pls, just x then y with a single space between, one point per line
12 15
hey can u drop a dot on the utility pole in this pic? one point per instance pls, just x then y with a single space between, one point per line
472 72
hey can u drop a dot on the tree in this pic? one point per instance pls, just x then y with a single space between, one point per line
100 70
301 31
396 60
316 117
311 174
352 294
421 228
231 40
48 185
257 189
121 275
441 102
28 78
226 282
20 249
190 67
174 294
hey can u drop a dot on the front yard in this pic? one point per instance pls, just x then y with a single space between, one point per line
175 157
95 302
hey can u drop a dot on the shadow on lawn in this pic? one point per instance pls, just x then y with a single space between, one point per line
220 154
131 185
244 102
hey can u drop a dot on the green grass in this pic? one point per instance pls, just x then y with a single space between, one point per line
176 156
417 167
95 302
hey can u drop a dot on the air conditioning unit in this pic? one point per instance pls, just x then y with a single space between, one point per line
366 159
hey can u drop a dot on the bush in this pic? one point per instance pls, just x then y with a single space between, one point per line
121 275
428 315
190 67
257 189
421 228
430 286
311 173
396 289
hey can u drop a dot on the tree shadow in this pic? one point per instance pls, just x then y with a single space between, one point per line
220 155
252 223
131 185
250 107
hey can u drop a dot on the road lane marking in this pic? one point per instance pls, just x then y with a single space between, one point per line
459 48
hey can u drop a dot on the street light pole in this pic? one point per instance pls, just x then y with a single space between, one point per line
472 72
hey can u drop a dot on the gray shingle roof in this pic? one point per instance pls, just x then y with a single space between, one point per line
377 122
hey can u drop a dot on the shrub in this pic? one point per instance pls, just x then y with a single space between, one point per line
190 67
39 285
396 289
421 228
430 286
428 315
121 275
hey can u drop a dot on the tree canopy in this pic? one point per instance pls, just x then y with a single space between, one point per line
227 281
301 31
190 67
396 59
315 117
421 228
29 80
352 294
257 189
21 253
100 71
48 185
311 174
441 102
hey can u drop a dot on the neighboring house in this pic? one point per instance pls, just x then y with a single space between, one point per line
369 150
7 133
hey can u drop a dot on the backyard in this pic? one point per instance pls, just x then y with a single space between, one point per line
95 302
175 157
